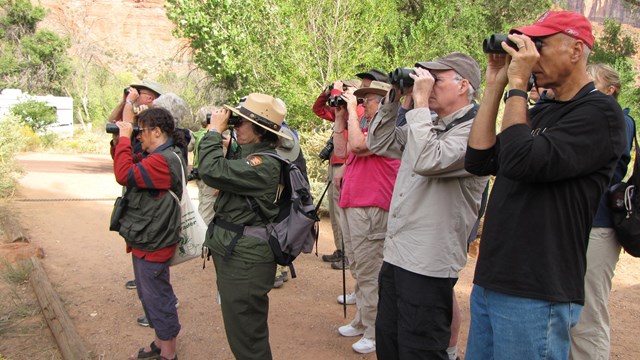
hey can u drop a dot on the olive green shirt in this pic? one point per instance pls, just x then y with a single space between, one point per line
244 175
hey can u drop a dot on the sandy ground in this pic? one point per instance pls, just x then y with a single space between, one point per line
64 203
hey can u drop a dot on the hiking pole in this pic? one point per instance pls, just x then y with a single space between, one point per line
344 281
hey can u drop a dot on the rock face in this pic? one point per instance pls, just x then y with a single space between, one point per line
125 35
598 10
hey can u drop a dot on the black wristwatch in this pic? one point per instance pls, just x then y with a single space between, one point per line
515 92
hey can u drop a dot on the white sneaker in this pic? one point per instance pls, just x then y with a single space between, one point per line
351 298
348 331
364 346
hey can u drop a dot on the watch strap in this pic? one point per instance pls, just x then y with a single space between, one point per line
515 92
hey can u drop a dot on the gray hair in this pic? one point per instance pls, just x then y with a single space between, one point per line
174 104
472 92
201 115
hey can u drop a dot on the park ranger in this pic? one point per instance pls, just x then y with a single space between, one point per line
245 266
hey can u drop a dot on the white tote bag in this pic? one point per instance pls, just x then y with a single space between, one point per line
193 229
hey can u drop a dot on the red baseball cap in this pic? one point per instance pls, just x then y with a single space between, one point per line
553 22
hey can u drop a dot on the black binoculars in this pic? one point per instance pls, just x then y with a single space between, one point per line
113 129
493 44
400 77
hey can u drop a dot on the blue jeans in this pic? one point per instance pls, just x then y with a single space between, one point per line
510 327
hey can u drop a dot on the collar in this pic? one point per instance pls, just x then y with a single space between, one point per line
248 149
167 144
586 90
453 116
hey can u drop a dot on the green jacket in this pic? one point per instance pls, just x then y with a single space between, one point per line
152 219
244 175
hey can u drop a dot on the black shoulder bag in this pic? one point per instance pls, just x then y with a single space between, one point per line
119 208
625 208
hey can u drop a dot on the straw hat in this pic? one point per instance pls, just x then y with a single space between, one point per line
264 111
376 87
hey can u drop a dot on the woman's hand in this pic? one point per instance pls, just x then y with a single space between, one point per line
125 128
219 120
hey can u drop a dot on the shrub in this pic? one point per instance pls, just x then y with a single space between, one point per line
11 140
35 114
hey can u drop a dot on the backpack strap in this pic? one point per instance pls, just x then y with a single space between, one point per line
466 117
238 229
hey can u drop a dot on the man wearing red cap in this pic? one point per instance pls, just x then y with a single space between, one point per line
552 164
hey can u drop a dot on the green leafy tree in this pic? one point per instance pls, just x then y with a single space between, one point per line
35 114
613 45
32 60
615 48
293 49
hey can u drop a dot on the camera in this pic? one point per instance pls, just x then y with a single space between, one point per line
493 44
193 175
400 77
325 153
113 129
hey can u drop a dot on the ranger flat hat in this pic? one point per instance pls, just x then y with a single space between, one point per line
463 64
376 87
264 111
374 74
149 84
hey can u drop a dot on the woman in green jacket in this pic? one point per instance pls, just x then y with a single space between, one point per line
245 266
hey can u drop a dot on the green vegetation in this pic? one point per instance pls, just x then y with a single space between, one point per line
11 140
295 48
32 60
35 114
16 274
16 305
615 48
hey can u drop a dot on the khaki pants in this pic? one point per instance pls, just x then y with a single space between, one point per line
364 233
591 337
206 197
336 213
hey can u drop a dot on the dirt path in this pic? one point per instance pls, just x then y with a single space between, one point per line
88 266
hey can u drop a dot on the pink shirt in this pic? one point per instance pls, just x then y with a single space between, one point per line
368 181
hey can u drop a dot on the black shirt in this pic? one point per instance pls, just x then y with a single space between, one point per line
550 176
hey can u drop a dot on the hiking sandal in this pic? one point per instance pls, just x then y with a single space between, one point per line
153 354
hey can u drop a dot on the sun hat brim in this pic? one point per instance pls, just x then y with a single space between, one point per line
237 112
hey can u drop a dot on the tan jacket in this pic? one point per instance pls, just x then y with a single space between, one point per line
435 201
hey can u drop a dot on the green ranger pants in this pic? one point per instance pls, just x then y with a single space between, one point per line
244 289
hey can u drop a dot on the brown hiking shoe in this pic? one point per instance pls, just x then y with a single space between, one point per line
337 265
336 256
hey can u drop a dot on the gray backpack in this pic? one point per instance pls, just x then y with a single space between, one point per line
295 229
